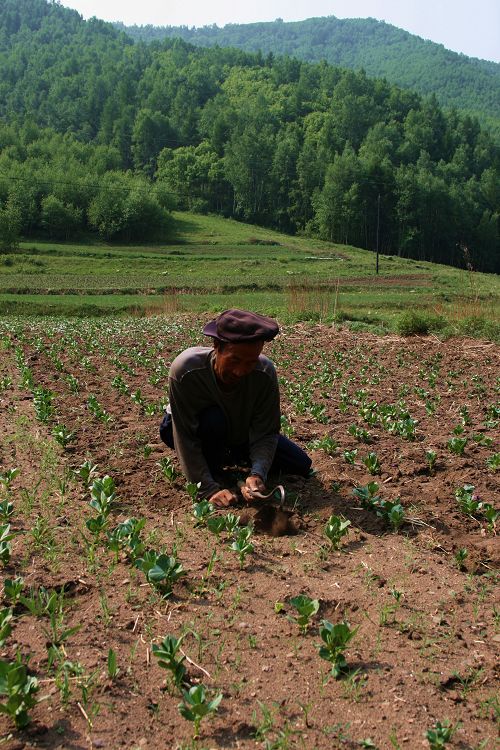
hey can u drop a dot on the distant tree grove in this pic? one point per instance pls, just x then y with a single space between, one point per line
101 134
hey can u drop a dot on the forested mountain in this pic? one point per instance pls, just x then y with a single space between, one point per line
98 133
380 49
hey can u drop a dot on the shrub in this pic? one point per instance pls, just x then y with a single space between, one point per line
413 323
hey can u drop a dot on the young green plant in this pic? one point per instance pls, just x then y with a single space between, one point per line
335 640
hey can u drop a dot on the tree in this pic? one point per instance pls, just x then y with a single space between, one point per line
339 207
151 133
60 220
10 226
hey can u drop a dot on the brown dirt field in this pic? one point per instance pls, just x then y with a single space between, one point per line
429 629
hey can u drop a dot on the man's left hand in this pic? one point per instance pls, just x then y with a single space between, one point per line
252 484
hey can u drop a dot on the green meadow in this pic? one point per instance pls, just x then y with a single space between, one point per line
210 264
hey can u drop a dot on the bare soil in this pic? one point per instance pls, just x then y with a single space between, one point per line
428 636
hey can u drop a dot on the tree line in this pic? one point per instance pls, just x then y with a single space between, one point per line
101 134
382 50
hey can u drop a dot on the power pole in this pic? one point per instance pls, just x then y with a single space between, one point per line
378 228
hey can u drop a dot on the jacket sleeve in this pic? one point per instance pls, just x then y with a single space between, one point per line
187 444
265 426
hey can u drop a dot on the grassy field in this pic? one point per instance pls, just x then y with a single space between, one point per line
213 263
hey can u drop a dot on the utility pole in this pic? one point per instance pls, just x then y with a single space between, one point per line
378 228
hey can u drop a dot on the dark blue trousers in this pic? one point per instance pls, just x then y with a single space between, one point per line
289 457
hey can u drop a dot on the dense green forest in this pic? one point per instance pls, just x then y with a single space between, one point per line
101 134
380 49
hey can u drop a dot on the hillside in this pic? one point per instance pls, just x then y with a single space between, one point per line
382 50
101 136
213 264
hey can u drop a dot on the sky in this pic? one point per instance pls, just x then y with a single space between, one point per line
468 26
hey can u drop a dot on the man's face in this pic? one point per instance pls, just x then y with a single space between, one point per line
234 361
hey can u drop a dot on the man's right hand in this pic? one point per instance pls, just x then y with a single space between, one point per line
223 499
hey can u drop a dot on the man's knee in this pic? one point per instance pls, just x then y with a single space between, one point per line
290 458
212 428
166 430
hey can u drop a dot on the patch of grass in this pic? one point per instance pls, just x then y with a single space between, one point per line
419 322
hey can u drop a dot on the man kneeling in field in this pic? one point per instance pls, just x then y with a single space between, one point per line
224 409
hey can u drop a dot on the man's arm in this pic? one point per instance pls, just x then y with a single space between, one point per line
265 424
187 443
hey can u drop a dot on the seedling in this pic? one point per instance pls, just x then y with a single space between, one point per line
431 457
113 669
397 595
491 516
367 494
103 495
42 401
335 639
74 385
460 557
481 439
202 511
493 462
372 463
464 415
87 472
13 588
350 456
137 397
193 489
306 609
120 385
5 383
6 509
168 657
39 601
161 570
232 523
440 734
5 542
56 633
5 626
126 536
19 690
97 525
151 409
286 428
216 524
362 435
242 544
336 528
406 428
196 706
326 444
62 435
456 445
168 469
391 511
467 500
8 477
98 411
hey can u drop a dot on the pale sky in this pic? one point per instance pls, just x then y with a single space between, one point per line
468 26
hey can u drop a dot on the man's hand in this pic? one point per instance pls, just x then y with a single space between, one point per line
223 498
252 484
